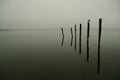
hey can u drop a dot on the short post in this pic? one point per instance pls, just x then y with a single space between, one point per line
71 36
62 37
62 32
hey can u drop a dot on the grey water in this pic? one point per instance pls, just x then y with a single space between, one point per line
46 55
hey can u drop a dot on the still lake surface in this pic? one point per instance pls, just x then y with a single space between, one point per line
44 55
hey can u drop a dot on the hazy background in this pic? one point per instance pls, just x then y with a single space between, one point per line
58 13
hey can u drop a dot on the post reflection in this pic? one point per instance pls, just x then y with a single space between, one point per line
87 49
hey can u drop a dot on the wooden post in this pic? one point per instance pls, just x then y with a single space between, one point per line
62 32
80 32
71 36
88 34
99 41
62 37
88 28
75 37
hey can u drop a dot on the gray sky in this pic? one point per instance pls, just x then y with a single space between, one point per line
55 13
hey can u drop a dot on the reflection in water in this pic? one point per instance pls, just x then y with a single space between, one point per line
71 36
75 37
62 37
80 38
88 35
87 49
99 40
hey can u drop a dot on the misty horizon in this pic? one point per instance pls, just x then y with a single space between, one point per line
37 14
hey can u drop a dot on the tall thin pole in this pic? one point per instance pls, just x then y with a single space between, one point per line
88 34
80 32
99 41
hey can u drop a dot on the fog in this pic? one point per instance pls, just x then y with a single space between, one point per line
57 13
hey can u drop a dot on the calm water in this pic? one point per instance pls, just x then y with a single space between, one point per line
45 55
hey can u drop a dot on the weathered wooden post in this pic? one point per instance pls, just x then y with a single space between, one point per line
88 28
75 36
99 41
88 34
80 32
62 37
71 36
62 32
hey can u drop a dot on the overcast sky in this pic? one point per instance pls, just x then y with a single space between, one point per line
54 13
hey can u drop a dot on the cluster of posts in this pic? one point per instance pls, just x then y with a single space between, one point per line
88 35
